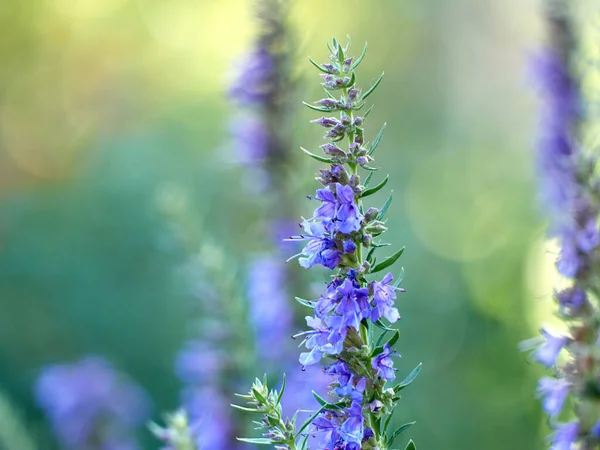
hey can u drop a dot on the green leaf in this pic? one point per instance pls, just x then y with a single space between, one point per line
360 58
258 441
318 66
370 254
375 189
317 157
372 88
387 262
352 80
369 167
309 420
381 325
317 108
377 139
409 379
243 408
259 396
385 206
368 179
281 391
379 349
398 431
326 404
411 446
386 423
400 277
381 338
305 302
380 244
367 112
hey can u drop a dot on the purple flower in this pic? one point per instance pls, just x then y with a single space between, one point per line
565 436
319 341
89 404
320 249
269 312
213 426
348 215
596 429
553 393
352 304
253 84
326 212
572 299
548 351
383 297
556 146
384 365
197 362
251 141
570 262
352 430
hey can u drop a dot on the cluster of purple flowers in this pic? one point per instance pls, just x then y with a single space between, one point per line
570 194
91 406
355 302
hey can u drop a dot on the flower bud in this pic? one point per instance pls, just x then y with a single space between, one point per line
371 214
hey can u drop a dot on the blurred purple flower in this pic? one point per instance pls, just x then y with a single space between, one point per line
270 314
90 405
565 436
549 349
251 141
198 362
253 82
553 393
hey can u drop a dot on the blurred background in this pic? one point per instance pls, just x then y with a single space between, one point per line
115 111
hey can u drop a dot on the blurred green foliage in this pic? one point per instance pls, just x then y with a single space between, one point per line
102 102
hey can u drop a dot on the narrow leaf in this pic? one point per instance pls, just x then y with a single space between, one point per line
370 254
258 441
409 379
372 88
386 423
368 179
367 112
250 410
379 349
318 66
309 420
387 262
377 139
317 108
360 58
369 167
411 446
398 431
352 80
385 207
317 157
381 338
375 189
380 244
281 391
305 302
381 325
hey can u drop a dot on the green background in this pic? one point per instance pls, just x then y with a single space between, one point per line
105 104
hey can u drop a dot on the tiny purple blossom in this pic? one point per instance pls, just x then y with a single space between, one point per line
565 436
384 365
352 430
572 299
548 351
553 393
348 214
383 297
